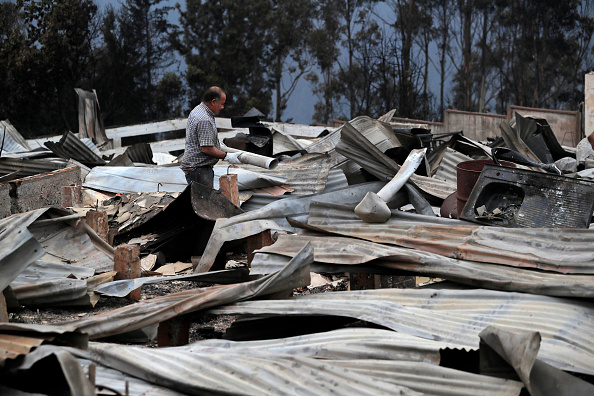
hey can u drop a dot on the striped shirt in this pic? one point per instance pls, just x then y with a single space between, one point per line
201 130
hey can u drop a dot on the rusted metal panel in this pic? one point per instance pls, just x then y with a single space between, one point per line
455 317
20 339
558 250
352 252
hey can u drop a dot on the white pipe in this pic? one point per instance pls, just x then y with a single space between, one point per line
409 167
252 159
373 207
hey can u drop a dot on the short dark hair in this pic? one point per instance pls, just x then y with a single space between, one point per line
212 93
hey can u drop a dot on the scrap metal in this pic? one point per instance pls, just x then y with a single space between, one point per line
159 309
454 316
348 251
565 251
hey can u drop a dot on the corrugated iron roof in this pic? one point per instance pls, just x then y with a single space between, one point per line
70 146
18 339
349 361
343 344
455 317
23 167
10 139
548 249
348 251
447 167
78 244
132 180
305 175
18 247
159 309
226 372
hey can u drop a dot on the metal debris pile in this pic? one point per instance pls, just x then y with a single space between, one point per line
374 259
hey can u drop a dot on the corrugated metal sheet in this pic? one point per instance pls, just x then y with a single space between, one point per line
44 283
10 139
18 167
305 175
358 148
273 216
132 180
336 181
447 167
455 317
283 142
368 363
348 251
298 130
18 247
258 373
70 146
76 244
159 309
19 339
107 379
250 177
343 344
330 213
434 380
548 249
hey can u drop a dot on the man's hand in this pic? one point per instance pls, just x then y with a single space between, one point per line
233 158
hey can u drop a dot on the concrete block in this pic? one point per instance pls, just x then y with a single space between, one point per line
42 191
5 201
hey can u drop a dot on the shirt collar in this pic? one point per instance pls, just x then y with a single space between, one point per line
209 111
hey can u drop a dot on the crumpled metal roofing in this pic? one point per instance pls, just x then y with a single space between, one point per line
355 146
19 339
248 179
447 166
343 344
159 309
307 174
107 379
336 181
345 252
455 317
349 361
23 167
273 216
45 283
70 146
10 139
226 372
132 180
565 251
18 247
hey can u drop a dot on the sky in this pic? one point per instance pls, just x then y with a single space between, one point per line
300 107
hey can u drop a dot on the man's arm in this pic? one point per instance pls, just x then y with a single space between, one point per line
212 151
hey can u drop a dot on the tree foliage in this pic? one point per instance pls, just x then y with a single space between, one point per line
362 57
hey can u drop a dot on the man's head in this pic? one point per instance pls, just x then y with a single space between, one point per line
214 98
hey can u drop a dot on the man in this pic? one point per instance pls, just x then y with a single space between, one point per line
203 149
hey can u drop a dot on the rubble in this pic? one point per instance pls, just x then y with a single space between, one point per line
298 284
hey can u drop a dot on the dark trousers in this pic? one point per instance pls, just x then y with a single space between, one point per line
203 175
